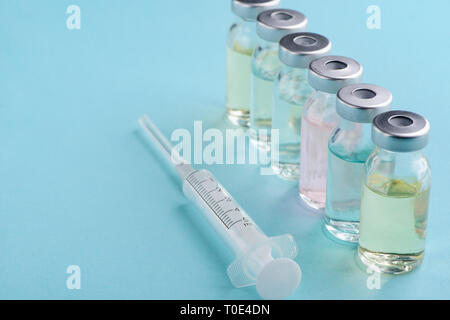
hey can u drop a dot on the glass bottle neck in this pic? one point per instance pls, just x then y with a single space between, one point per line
268 45
409 169
328 98
300 71
245 23
352 140
326 94
387 155
365 129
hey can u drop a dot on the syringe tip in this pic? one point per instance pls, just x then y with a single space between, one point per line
278 279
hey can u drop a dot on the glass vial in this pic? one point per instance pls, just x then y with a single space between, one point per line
271 26
394 205
349 147
241 42
291 90
326 75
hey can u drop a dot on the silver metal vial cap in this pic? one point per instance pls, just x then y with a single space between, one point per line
272 25
299 49
362 102
249 9
331 73
400 131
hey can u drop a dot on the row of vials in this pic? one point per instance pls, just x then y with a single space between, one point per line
354 158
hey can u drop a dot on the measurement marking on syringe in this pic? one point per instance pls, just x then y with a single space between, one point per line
211 191
234 223
208 194
209 199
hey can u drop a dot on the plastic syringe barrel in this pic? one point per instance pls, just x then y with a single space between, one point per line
266 262
252 248
202 188
229 220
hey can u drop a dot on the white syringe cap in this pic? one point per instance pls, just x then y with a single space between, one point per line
278 274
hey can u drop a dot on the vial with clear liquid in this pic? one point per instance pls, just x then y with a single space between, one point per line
396 187
271 26
326 75
291 90
349 147
241 42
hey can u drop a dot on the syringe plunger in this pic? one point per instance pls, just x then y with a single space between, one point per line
261 261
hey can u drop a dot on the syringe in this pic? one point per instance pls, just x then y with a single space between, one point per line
260 260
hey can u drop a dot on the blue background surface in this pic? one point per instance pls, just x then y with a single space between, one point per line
81 186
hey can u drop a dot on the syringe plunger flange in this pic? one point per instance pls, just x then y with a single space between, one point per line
269 266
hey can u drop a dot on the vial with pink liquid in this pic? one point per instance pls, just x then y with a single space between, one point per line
326 75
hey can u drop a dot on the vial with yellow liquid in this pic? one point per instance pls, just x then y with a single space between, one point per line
241 42
395 194
271 26
291 90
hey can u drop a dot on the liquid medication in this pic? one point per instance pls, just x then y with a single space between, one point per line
349 147
326 75
238 85
395 196
291 90
405 234
271 26
241 42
